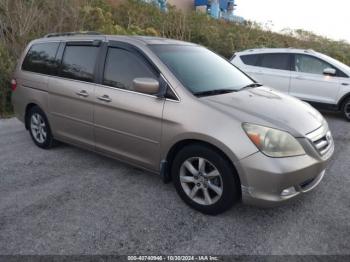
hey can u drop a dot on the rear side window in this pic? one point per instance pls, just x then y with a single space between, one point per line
276 61
122 67
79 62
250 59
41 59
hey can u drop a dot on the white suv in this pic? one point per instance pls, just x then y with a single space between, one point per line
306 74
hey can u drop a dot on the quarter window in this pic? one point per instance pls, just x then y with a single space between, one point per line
250 59
309 64
276 61
79 62
41 59
122 67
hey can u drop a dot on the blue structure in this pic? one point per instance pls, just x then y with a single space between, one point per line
220 9
163 4
215 8
223 4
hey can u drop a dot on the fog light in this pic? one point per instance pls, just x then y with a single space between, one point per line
288 191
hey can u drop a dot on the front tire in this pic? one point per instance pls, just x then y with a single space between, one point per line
39 128
346 109
205 179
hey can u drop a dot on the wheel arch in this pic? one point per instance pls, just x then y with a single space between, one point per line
27 110
175 148
342 100
26 113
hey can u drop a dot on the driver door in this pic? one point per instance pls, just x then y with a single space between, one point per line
127 124
309 83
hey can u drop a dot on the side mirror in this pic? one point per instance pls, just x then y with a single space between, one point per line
329 72
148 86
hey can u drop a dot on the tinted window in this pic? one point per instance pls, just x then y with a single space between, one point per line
341 74
41 59
275 61
199 69
250 59
170 94
122 67
309 64
339 65
79 62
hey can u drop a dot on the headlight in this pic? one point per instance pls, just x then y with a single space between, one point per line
273 142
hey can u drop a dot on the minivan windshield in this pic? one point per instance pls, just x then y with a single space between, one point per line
200 70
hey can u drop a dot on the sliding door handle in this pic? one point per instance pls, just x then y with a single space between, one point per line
105 98
83 93
345 84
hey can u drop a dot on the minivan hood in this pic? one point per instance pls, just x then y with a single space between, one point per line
268 107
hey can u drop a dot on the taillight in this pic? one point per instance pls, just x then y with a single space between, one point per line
13 84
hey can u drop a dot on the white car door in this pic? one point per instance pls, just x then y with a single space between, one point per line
275 68
256 73
309 83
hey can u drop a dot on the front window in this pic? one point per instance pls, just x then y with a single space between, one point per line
309 64
337 64
122 67
200 70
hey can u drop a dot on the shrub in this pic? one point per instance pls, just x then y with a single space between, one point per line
134 17
6 67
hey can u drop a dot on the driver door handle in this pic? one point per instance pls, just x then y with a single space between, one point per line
83 93
105 98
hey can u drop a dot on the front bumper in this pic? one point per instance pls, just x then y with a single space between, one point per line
270 181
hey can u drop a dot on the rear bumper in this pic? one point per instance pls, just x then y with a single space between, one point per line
270 182
18 107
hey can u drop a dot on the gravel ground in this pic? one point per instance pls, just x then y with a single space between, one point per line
70 201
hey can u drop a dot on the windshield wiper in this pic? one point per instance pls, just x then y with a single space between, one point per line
251 85
214 92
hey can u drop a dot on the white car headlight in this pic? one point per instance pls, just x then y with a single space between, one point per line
273 142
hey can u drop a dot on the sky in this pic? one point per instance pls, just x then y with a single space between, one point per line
330 18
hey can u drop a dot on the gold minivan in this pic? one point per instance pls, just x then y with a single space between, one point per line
173 108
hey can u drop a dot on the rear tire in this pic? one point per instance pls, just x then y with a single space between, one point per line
39 128
346 109
205 179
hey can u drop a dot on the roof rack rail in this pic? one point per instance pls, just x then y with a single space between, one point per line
72 34
309 51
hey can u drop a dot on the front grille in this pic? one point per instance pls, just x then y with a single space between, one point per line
321 139
322 145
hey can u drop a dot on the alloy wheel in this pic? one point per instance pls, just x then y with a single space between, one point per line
201 181
347 110
38 128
